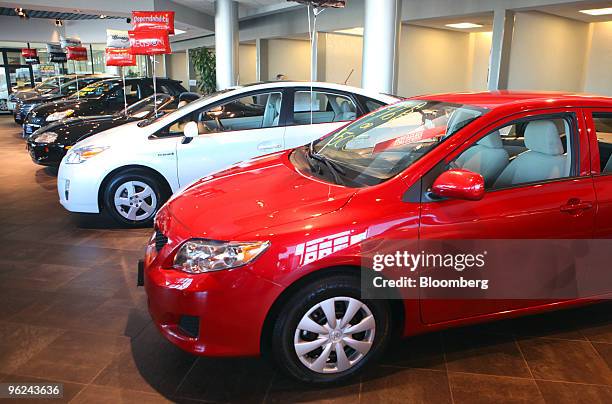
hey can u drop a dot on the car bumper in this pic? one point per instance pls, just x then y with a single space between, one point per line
78 185
214 314
46 154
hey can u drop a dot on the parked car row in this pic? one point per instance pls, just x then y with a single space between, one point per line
262 199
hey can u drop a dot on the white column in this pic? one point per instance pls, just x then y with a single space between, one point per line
381 36
501 42
226 42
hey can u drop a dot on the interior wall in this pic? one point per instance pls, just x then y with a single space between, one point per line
548 53
290 57
247 63
343 53
598 75
432 61
176 66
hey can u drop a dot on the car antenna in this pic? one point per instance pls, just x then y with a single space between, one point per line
349 76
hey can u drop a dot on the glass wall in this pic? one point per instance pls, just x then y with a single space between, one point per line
94 64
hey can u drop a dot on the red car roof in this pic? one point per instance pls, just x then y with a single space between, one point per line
494 99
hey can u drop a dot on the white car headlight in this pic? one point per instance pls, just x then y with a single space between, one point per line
47 137
198 256
81 154
56 116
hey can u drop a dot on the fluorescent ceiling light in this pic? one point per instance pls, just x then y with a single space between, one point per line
464 25
598 11
351 31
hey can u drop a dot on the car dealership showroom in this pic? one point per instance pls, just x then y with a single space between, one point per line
372 201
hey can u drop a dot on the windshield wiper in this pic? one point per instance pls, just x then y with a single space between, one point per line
335 170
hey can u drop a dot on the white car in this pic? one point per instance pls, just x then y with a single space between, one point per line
131 170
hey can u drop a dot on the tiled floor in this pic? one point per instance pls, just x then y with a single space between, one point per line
70 312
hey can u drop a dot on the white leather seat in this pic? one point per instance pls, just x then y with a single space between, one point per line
272 113
487 158
346 112
544 159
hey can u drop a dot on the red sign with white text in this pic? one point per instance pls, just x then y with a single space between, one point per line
149 42
76 53
29 53
145 20
119 57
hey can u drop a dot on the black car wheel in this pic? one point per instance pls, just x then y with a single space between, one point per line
132 198
327 333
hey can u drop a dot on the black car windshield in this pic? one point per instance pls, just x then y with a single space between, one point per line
95 90
145 107
382 144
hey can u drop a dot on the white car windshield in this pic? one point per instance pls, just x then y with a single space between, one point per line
382 144
178 113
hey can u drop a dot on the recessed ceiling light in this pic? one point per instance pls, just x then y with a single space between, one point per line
598 11
464 25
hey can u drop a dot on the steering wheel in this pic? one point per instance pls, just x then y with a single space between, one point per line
219 124
215 114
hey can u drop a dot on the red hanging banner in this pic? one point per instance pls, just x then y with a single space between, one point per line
149 42
119 57
76 53
159 20
29 53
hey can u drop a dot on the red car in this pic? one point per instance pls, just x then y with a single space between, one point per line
265 257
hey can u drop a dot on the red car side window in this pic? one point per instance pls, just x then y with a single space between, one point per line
523 152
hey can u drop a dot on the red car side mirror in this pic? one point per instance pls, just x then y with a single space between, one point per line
459 184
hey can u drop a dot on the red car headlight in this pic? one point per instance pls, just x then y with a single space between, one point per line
198 256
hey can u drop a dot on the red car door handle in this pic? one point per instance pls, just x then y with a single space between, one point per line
575 205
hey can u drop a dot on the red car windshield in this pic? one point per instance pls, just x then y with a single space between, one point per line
382 144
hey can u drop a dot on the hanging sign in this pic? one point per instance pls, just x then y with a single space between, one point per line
66 42
149 42
57 57
159 20
119 57
30 55
54 48
76 53
117 39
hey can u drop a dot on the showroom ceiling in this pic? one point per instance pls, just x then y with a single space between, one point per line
53 14
208 6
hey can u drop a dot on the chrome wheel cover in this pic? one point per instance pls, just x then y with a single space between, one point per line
334 335
135 200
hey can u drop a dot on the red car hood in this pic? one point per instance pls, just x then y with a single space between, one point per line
252 197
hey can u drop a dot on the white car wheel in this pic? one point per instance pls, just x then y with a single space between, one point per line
135 201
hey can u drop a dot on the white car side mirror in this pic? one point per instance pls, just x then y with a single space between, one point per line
191 130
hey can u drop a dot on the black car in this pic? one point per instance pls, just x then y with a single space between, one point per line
48 145
101 98
30 100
